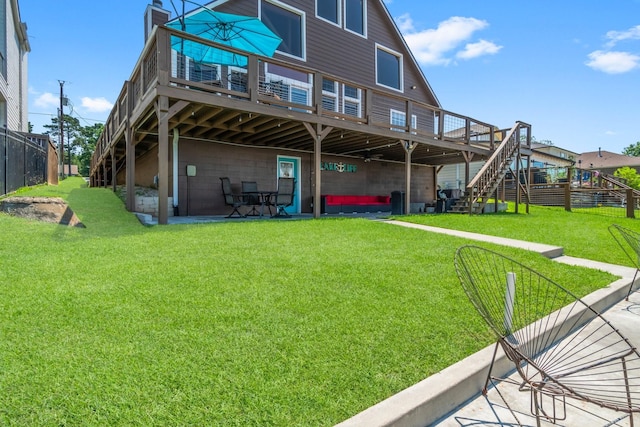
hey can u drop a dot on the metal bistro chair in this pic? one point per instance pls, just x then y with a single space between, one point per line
252 196
561 347
283 197
629 242
231 199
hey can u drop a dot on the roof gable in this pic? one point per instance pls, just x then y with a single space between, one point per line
333 49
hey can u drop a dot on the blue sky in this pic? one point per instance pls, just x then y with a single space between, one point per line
569 68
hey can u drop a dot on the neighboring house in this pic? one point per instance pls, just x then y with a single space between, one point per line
551 155
25 161
342 106
606 162
14 49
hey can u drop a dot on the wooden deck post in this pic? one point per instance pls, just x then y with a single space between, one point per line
114 171
130 153
631 203
408 148
163 159
567 197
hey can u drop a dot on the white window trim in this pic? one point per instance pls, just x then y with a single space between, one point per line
414 121
357 101
292 83
340 8
303 30
365 21
333 95
401 71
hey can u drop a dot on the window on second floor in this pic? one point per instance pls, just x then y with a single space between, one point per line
388 68
353 13
352 101
329 10
288 24
329 95
355 16
399 121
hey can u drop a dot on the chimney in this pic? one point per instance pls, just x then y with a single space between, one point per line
599 151
154 15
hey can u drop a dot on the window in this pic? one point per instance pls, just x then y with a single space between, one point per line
184 67
388 68
399 121
199 72
355 16
288 24
329 10
289 85
351 101
238 80
329 95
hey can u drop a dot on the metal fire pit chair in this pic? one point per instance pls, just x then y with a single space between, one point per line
231 199
629 242
252 196
283 197
561 347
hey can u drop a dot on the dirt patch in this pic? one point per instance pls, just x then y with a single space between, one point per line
48 209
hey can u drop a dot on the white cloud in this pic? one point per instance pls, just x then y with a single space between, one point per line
613 62
96 105
47 100
614 37
430 47
481 48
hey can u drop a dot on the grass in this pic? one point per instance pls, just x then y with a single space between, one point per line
581 235
274 323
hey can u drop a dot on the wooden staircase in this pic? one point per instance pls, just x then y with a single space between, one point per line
490 176
618 183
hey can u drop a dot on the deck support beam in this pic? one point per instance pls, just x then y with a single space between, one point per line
162 109
318 134
130 152
408 150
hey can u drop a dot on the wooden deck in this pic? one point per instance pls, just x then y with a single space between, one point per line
251 106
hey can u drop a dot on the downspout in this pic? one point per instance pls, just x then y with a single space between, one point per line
176 138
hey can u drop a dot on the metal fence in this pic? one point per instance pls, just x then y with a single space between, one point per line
24 162
605 201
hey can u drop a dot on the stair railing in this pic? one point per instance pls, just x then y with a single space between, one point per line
489 176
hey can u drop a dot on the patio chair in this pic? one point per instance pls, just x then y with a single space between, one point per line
252 196
231 199
283 197
629 242
561 347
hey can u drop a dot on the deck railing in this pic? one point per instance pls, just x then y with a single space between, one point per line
269 81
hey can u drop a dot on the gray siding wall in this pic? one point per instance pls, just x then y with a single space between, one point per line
333 50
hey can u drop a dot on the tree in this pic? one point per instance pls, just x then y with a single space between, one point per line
629 175
71 131
632 150
87 144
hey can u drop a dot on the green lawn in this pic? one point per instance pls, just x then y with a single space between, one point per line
273 323
583 235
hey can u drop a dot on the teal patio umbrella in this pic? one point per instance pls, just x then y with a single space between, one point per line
244 33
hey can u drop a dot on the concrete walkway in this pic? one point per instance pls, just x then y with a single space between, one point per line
452 396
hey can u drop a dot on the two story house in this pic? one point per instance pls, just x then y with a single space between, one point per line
342 106
14 50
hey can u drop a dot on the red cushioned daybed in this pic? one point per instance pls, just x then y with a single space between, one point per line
334 203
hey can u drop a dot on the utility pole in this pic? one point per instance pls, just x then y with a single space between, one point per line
61 125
